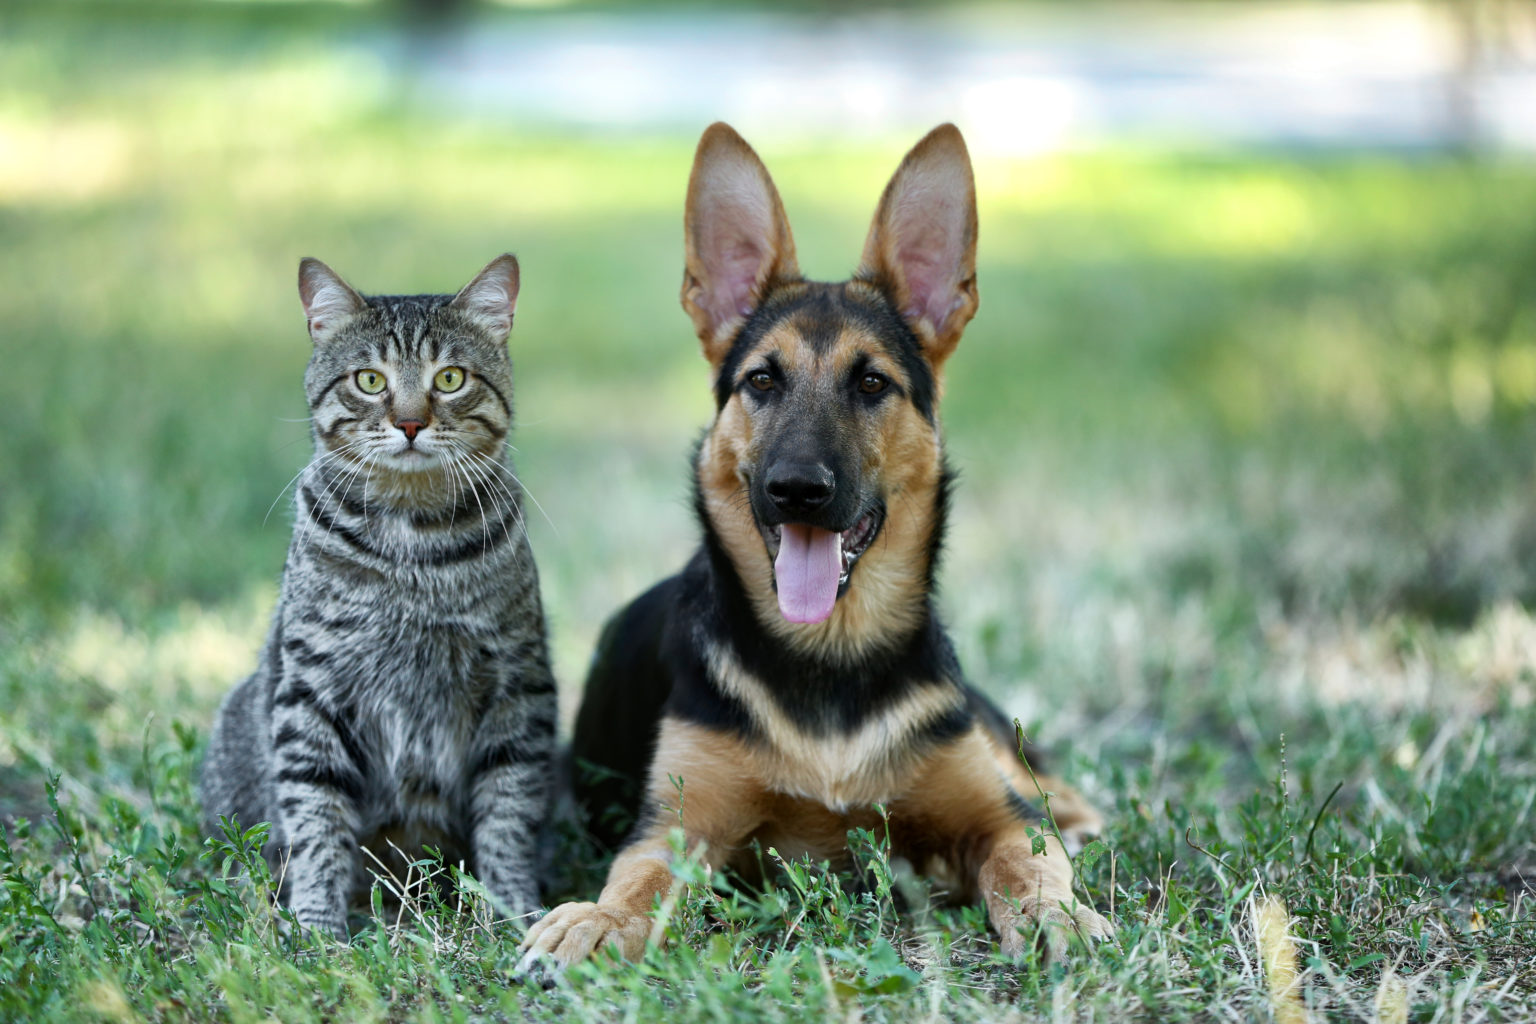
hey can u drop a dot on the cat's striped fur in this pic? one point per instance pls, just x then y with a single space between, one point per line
404 694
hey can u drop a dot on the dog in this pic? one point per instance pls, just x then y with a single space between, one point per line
795 673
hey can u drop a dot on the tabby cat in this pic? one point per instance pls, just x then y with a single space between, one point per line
404 695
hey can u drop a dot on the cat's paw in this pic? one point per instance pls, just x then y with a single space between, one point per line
322 931
1050 925
516 903
572 932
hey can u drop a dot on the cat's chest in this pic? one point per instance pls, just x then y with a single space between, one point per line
421 713
415 767
449 561
415 679
416 751
429 676
390 570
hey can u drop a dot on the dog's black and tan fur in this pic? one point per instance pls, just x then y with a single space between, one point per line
787 732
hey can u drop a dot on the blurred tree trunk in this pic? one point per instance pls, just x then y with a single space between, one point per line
1488 35
433 12
432 30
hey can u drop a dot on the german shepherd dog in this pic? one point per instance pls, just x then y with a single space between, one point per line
795 673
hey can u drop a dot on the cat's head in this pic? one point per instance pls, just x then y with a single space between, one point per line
406 386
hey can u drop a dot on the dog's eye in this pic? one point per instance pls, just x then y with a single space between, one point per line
872 384
762 380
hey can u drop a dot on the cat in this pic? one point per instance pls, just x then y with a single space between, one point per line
404 694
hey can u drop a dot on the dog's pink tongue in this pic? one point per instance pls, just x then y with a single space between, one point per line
807 570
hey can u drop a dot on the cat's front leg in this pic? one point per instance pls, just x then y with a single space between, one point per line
319 787
509 793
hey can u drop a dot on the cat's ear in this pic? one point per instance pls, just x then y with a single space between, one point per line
491 298
922 245
736 238
328 300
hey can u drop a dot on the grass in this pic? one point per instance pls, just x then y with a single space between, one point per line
1245 530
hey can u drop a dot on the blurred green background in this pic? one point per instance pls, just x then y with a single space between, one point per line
1241 427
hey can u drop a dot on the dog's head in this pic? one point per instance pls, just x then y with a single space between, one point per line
823 470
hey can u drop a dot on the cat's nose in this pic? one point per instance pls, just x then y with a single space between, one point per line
409 428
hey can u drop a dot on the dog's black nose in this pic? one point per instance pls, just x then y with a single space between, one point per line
800 487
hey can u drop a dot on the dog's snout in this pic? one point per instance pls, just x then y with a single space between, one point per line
800 487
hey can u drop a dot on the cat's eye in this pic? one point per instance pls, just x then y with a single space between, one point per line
762 380
449 378
872 384
370 382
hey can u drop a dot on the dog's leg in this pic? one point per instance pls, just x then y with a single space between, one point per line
1077 819
699 780
620 919
1024 889
964 803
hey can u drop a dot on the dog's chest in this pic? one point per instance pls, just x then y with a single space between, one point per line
853 768
871 761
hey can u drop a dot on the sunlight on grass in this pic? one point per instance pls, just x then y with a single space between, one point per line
202 651
1500 653
53 164
1252 215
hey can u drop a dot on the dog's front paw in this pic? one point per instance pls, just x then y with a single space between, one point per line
574 931
1050 924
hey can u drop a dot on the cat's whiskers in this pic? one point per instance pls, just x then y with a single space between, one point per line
367 476
350 476
501 495
501 465
497 443
485 526
501 486
461 487
454 497
311 464
334 475
289 444
504 467
473 457
468 466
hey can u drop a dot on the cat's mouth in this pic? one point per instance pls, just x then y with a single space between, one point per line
412 455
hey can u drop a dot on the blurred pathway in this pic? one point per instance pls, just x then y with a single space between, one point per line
1019 78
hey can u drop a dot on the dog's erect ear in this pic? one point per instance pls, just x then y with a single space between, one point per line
922 244
328 300
491 298
736 238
